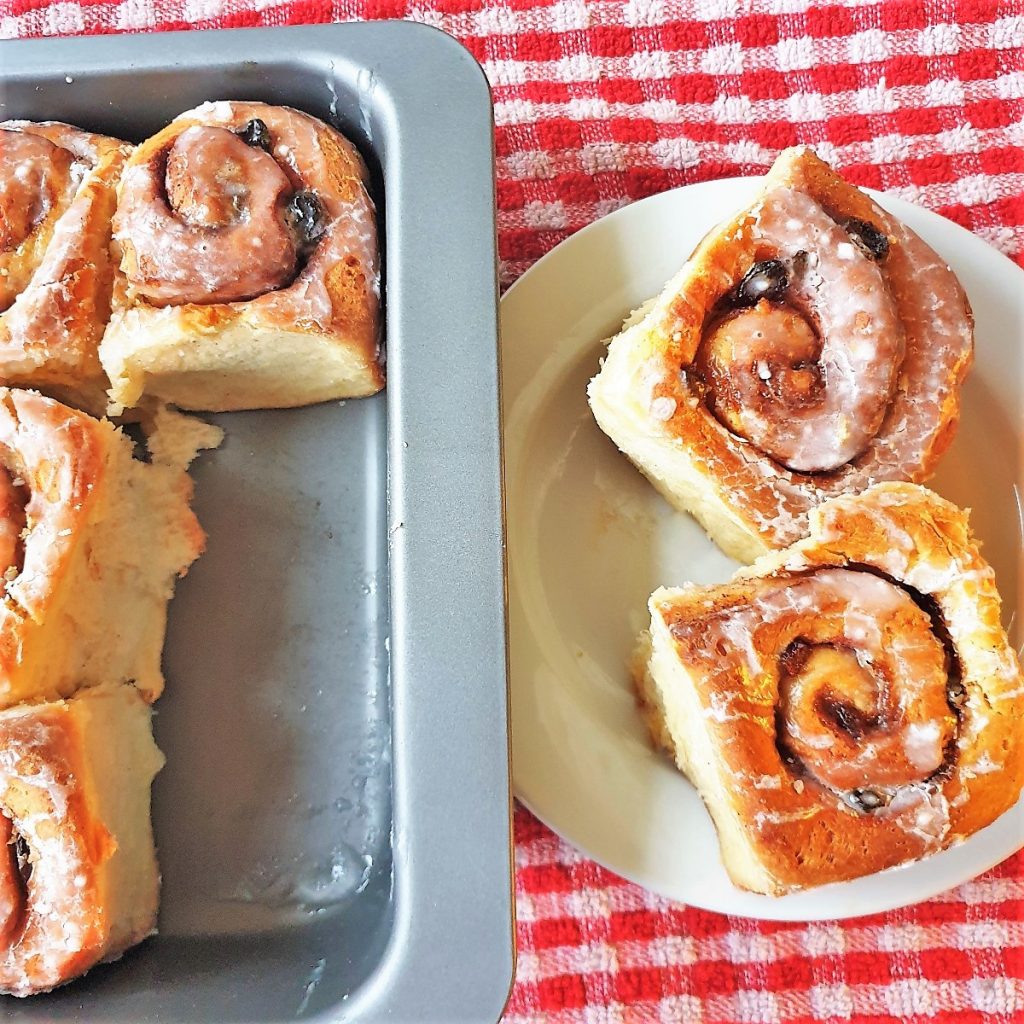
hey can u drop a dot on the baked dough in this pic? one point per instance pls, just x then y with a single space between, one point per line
848 704
57 197
249 265
811 346
78 875
91 542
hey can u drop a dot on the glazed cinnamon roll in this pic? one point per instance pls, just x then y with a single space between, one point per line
845 705
249 265
91 541
78 875
57 196
810 347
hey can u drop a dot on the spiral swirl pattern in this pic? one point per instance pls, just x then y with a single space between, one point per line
848 704
223 201
36 187
234 201
806 378
249 265
811 346
863 705
57 196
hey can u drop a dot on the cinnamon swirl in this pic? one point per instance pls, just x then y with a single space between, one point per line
810 347
249 265
845 705
91 541
78 875
57 197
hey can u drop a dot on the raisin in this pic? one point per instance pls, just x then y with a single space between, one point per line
305 216
767 279
873 242
23 858
255 133
867 800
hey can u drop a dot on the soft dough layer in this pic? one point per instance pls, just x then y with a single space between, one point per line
57 198
92 541
811 346
846 705
249 265
78 875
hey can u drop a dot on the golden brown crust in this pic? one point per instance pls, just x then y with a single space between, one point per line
90 543
326 310
78 877
51 329
48 746
652 397
892 577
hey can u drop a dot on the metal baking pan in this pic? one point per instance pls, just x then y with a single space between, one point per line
333 820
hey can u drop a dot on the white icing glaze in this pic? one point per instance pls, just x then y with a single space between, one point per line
37 184
844 293
983 765
935 318
58 919
310 163
923 811
923 743
57 313
39 443
201 254
883 673
663 408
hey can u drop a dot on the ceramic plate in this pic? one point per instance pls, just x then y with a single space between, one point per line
589 539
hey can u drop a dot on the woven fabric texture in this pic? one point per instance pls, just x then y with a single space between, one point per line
598 104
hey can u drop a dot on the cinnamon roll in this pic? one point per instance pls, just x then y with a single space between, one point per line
78 875
811 346
249 265
91 541
57 197
845 705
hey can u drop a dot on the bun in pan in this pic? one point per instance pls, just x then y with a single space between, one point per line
91 542
845 705
811 346
78 874
249 265
57 197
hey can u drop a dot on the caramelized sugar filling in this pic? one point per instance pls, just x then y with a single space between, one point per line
846 719
791 360
15 878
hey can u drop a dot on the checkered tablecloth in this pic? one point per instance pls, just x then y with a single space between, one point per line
601 103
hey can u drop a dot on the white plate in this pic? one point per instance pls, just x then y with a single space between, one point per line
589 540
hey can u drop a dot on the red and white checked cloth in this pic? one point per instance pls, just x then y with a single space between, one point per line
601 103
